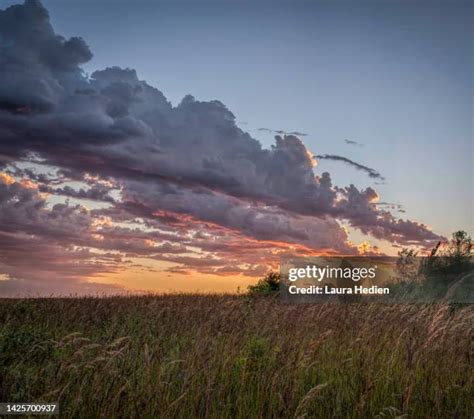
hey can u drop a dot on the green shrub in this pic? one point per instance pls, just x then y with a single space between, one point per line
267 285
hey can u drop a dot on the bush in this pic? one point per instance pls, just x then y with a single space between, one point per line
267 285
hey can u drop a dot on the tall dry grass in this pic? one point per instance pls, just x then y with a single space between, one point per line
223 356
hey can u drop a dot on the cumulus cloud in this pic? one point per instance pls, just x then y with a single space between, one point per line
191 187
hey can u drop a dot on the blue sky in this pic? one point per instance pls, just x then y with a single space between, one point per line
393 75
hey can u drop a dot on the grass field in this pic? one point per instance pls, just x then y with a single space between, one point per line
223 356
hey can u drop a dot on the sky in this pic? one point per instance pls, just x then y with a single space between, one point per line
378 95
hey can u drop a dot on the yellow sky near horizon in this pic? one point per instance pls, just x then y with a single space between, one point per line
139 280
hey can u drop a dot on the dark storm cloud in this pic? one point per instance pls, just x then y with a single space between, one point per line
116 125
371 172
259 222
34 59
185 167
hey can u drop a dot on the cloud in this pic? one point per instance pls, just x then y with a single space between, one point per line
39 254
259 222
94 193
359 209
391 206
352 142
371 172
36 63
181 184
282 132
